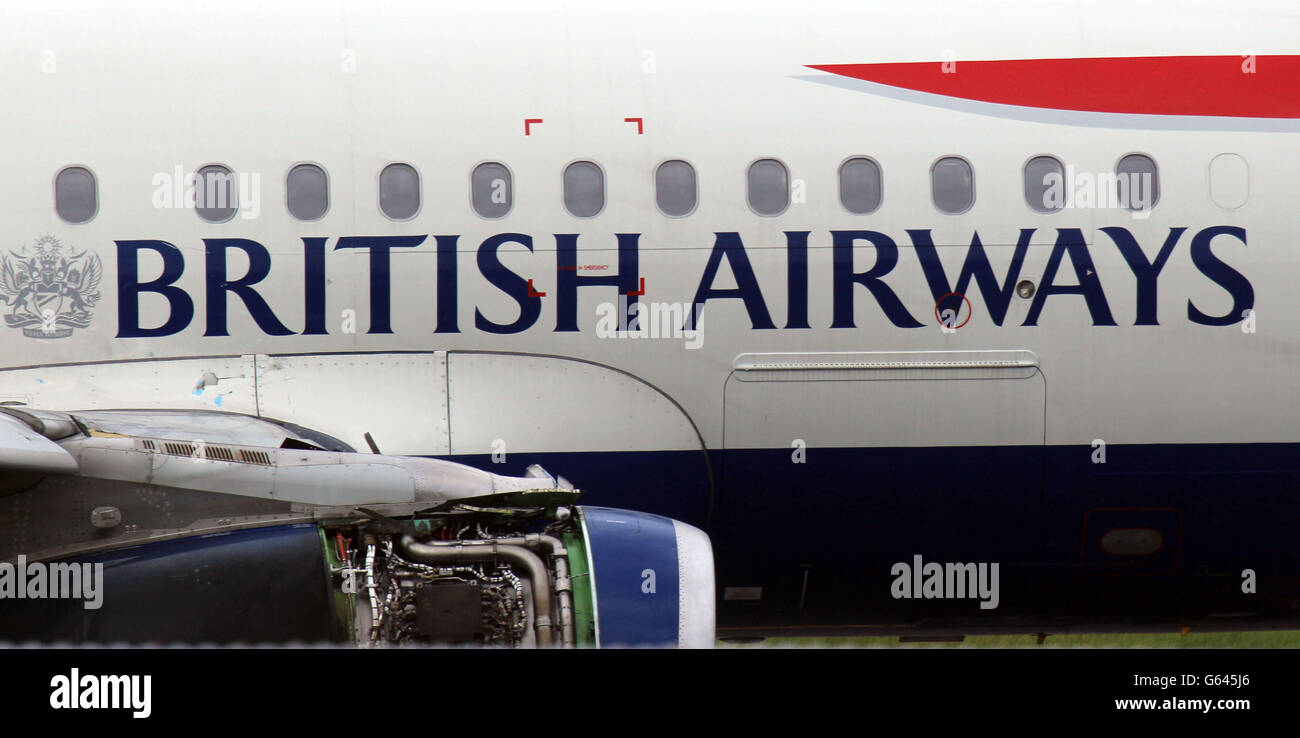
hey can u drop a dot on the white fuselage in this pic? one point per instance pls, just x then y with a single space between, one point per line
137 94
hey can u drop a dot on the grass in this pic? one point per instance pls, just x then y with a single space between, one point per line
1237 639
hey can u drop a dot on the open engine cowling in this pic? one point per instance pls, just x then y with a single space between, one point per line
116 529
598 577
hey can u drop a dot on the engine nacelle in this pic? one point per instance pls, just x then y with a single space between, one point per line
502 576
602 577
114 529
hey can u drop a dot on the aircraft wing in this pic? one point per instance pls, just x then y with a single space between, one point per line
22 448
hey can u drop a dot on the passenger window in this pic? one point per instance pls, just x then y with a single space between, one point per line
307 192
1229 181
75 197
1045 184
490 190
768 185
675 188
399 191
952 185
584 189
1138 182
860 185
214 194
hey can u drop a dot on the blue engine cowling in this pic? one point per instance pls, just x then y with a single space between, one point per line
652 579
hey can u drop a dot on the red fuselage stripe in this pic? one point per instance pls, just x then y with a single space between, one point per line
1235 86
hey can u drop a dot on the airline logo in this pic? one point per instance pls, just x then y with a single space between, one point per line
49 289
1069 275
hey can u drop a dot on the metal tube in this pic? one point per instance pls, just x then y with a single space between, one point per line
509 549
563 585
370 588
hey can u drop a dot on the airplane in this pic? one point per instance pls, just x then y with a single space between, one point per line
843 319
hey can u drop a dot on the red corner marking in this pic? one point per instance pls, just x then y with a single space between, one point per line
532 292
638 292
528 122
640 128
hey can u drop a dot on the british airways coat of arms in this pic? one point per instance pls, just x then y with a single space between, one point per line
49 290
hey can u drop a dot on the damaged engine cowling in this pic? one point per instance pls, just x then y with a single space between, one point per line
564 577
116 528
522 577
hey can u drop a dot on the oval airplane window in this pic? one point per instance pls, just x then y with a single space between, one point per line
860 185
399 191
214 193
1044 184
768 185
1229 181
491 190
952 185
584 189
675 191
1138 182
1132 541
75 197
307 192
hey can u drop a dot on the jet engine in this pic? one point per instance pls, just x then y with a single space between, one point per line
169 527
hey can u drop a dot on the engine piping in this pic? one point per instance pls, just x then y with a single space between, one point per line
507 548
515 550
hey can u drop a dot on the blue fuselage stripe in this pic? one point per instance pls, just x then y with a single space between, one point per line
846 515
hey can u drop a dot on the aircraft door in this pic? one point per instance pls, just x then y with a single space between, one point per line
856 461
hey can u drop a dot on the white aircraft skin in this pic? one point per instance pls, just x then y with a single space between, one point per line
978 444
